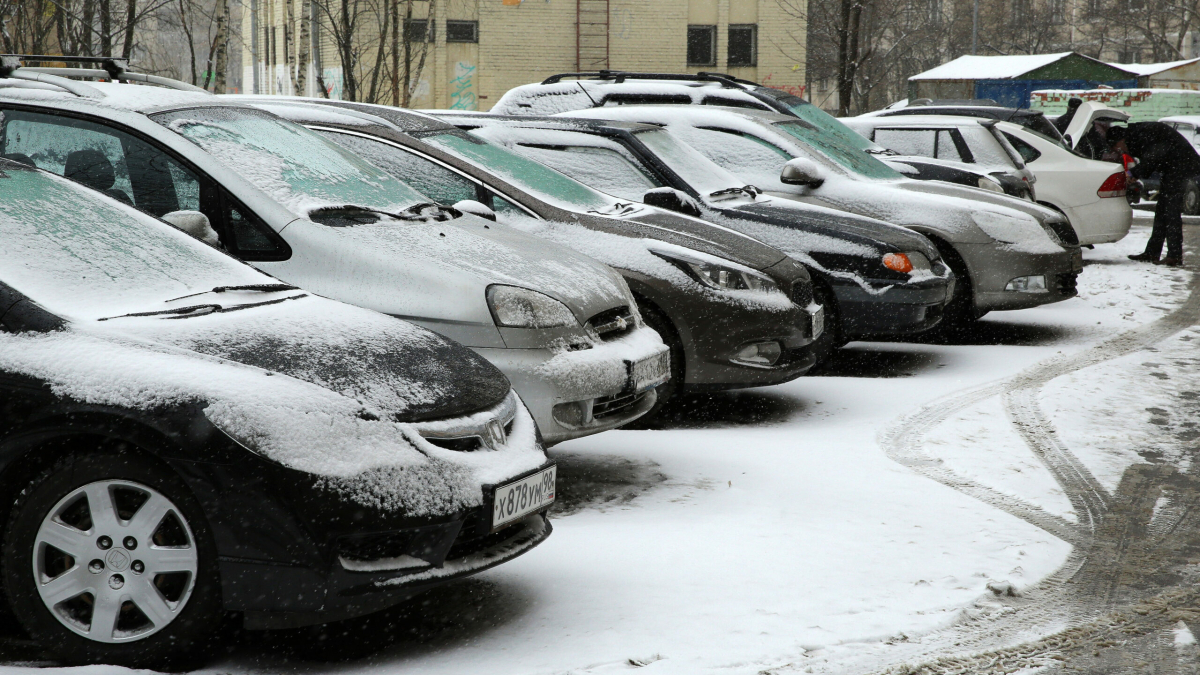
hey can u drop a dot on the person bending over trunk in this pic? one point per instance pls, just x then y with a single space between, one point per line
1158 147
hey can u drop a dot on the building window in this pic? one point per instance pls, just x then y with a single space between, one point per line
418 30
702 46
462 31
743 44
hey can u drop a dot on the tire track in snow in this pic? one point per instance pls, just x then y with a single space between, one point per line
903 441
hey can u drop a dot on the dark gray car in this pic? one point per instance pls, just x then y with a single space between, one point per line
736 312
872 277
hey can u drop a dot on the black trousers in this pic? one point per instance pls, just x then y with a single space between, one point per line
1168 221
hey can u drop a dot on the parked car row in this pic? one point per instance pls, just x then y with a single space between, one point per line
299 359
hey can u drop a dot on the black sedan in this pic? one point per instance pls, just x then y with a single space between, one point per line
182 436
873 278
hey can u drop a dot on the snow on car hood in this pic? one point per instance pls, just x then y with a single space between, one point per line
347 443
395 369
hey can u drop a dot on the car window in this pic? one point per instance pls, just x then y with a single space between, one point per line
1027 151
944 147
532 176
102 158
298 167
604 169
753 160
83 255
426 176
504 208
984 147
700 173
850 156
919 142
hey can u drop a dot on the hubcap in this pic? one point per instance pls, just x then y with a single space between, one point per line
89 576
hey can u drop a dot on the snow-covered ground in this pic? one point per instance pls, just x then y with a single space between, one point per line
786 535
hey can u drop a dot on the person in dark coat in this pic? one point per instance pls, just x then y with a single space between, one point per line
1159 148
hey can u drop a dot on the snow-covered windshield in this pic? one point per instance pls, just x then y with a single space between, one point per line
534 177
83 256
295 166
693 167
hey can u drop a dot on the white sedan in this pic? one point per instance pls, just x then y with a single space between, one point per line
1090 193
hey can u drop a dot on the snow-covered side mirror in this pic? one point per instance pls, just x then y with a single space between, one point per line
670 199
801 171
476 209
195 224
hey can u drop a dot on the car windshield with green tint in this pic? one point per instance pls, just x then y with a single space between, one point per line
851 156
297 167
83 255
525 173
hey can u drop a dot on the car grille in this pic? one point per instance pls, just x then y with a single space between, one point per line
613 323
607 406
1067 282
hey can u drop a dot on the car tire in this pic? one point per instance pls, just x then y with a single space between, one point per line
654 318
960 311
831 338
158 560
1191 198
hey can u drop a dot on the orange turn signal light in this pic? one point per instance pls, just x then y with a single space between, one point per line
898 262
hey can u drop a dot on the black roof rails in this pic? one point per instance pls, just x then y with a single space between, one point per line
111 68
620 76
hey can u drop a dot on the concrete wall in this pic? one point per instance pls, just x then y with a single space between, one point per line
1143 105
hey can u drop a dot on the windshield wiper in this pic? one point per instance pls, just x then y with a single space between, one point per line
204 310
261 288
421 212
750 190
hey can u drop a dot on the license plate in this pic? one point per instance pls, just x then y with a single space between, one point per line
650 372
523 497
818 322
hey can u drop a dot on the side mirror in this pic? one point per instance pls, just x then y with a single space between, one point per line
195 224
671 199
800 171
476 209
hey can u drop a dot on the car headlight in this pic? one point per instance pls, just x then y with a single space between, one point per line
725 277
517 307
988 183
1005 228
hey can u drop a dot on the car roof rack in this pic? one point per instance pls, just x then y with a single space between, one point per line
620 76
12 66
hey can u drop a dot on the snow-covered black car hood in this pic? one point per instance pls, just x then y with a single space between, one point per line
397 370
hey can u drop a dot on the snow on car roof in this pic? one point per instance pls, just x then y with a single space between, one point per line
129 97
973 67
548 99
915 120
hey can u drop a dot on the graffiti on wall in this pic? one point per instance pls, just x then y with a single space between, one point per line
333 82
462 87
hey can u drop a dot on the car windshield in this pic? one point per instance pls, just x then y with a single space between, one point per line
294 165
693 167
851 156
83 255
534 177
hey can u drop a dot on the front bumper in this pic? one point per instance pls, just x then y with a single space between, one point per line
571 394
717 338
903 309
993 266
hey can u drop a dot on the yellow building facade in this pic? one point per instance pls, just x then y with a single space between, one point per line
480 49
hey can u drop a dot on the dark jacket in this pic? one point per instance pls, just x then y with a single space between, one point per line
1158 147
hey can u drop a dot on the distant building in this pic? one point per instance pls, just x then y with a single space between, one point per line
1173 75
1010 79
466 53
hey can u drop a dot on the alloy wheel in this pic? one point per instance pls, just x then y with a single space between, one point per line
115 561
